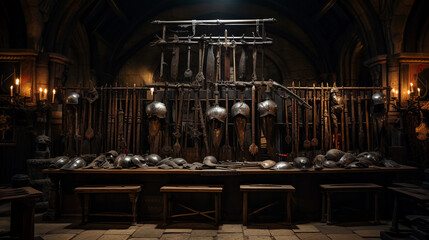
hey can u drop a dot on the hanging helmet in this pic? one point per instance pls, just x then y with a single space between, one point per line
240 108
378 98
302 163
282 165
59 162
267 107
152 159
72 98
156 109
75 163
210 161
217 112
267 164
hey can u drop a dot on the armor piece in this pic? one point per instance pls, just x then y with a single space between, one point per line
267 164
72 98
152 159
318 161
138 158
346 159
111 156
281 166
267 107
374 157
329 164
156 109
240 108
74 163
59 162
378 98
179 161
218 113
210 161
302 163
138 161
122 161
169 162
334 154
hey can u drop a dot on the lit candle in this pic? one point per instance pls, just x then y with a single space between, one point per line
418 91
412 89
40 93
53 95
408 92
151 91
17 85
11 90
45 94
393 92
397 93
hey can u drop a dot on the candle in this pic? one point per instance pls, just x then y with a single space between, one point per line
11 90
53 95
45 94
393 92
412 89
418 91
397 93
40 93
151 91
17 85
408 92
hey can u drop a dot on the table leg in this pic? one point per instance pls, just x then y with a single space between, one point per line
376 217
288 209
217 208
323 206
82 205
328 212
133 198
165 197
244 208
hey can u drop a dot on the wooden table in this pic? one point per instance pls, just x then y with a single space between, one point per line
288 189
216 189
63 200
22 210
415 193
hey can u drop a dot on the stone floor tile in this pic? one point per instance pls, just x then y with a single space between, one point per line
148 232
89 235
120 231
306 228
330 229
383 227
203 233
344 237
114 237
63 236
281 232
147 225
200 238
259 238
173 236
66 230
230 236
178 230
292 237
312 236
143 238
257 232
230 228
368 233
43 228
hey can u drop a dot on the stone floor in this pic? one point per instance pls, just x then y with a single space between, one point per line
70 229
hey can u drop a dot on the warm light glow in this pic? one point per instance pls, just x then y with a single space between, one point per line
397 92
393 90
152 90
418 90
408 92
46 91
11 90
411 84
53 91
17 82
53 95
40 90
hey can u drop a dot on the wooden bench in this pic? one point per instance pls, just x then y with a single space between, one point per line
288 189
84 192
329 189
169 189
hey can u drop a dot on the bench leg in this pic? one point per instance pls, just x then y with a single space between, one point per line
323 206
376 217
289 217
165 197
84 205
134 198
328 212
244 208
217 208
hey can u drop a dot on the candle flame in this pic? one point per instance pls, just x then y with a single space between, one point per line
46 91
53 91
408 92
411 84
393 90
11 87
40 90
17 81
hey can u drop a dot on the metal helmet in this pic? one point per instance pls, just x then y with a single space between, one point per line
111 156
75 163
72 98
240 108
217 112
210 161
152 159
122 161
346 159
59 162
138 161
282 165
329 164
267 164
138 158
302 163
267 107
334 154
179 161
156 109
378 98
318 161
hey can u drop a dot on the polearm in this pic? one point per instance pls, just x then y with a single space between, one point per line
217 21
